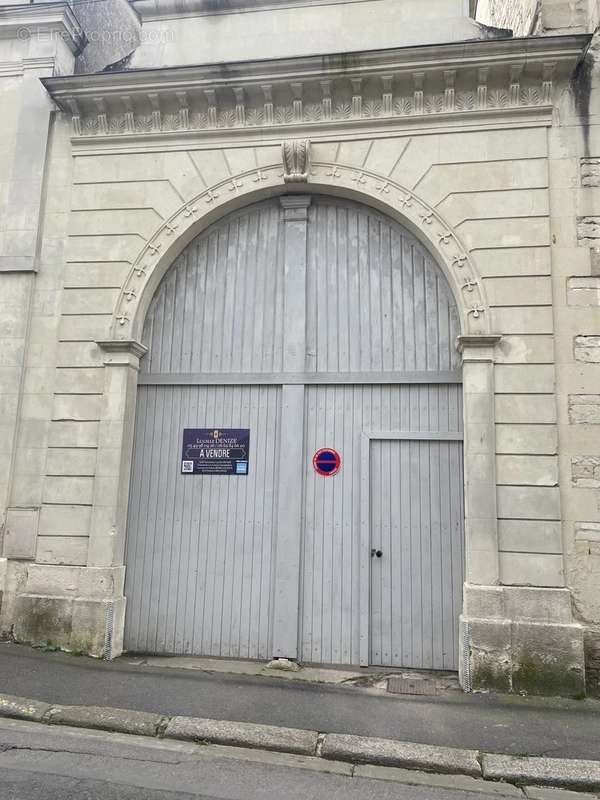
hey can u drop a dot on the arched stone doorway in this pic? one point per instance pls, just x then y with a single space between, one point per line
311 322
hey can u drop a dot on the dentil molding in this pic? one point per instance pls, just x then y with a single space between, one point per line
477 77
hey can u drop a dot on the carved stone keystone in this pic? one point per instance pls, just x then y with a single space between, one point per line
296 160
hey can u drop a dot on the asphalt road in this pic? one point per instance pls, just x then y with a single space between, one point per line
39 762
536 726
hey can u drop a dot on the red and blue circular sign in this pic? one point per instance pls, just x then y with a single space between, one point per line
327 462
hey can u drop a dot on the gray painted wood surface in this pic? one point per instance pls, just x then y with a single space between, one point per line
416 518
219 308
204 574
376 299
334 550
200 547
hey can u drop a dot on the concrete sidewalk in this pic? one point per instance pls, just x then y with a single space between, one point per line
557 728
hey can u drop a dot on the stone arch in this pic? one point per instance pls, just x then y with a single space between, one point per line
365 186
406 290
240 336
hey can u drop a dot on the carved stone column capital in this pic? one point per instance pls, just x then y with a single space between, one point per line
122 352
477 347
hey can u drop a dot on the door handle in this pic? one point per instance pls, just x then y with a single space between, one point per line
377 553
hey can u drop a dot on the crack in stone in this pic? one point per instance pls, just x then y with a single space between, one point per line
9 748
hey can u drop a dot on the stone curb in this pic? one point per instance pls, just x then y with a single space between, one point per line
520 770
117 720
390 753
23 708
567 773
243 734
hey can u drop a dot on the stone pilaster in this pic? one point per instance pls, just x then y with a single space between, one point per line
481 523
512 638
115 446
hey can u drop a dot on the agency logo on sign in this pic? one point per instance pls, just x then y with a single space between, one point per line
215 451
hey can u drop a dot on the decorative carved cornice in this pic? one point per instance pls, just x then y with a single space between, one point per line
435 81
169 9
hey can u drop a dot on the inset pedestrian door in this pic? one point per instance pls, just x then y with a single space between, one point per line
415 515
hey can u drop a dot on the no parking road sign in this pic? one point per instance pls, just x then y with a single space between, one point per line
327 462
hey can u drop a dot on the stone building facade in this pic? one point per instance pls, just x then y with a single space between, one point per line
138 137
580 538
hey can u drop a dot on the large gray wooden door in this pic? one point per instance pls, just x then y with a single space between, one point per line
319 324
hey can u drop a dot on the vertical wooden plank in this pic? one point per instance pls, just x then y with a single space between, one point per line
437 598
177 604
342 296
364 549
446 534
331 343
289 516
373 291
375 518
397 317
354 283
312 272
309 526
408 304
394 556
200 259
337 529
349 504
169 536
358 427
404 577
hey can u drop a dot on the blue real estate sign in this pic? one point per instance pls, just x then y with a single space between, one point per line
215 451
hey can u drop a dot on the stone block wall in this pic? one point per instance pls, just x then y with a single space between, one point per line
518 195
592 661
44 47
119 200
575 198
490 188
574 178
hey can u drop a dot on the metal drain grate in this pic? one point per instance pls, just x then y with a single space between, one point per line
401 684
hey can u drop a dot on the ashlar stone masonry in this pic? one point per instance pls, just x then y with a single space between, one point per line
118 163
